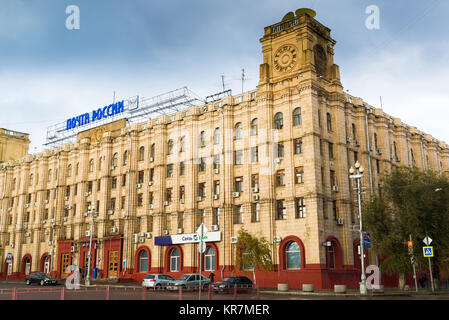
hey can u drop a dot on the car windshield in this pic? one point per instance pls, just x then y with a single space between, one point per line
149 276
184 277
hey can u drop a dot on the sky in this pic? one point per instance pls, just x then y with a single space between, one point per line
49 73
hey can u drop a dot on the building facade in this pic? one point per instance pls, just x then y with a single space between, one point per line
274 161
13 144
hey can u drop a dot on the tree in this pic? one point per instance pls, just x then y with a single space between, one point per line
410 202
252 253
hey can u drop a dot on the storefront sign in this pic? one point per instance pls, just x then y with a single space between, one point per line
186 238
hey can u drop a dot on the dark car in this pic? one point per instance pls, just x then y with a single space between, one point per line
244 284
39 278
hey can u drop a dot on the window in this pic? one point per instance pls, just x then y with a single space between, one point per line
278 121
122 202
182 168
238 214
89 187
180 220
280 178
238 132
77 168
280 210
375 141
139 199
169 170
255 181
297 117
202 138
209 259
125 158
31 179
217 136
280 150
141 153
200 217
299 175
152 150
182 192
217 187
238 184
91 165
175 260
182 144
143 261
333 180
254 127
124 180
216 216
150 198
112 204
202 165
114 183
297 146
292 256
140 176
170 145
255 154
238 157
300 208
335 209
255 212
202 189
216 161
69 170
152 174
67 191
168 194
330 256
115 160
331 151
49 175
329 121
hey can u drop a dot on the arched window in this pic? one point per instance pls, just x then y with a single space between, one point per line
329 121
27 266
297 117
115 159
100 162
209 259
375 141
170 145
125 157
46 265
77 168
395 151
31 179
202 138
330 252
292 256
354 133
143 261
49 174
278 121
175 260
413 157
254 127
69 170
217 136
91 165
238 131
141 153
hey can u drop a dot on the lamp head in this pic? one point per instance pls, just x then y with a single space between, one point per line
361 169
352 170
357 165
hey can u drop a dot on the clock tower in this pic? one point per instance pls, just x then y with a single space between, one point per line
298 47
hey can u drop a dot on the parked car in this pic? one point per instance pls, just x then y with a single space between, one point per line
244 284
156 281
189 281
40 278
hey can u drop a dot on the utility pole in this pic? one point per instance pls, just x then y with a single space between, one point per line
92 212
412 258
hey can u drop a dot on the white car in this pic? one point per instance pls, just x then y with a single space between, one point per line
156 281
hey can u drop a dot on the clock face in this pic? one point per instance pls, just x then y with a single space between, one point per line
98 134
285 58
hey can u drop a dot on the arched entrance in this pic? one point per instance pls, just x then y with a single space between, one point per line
25 268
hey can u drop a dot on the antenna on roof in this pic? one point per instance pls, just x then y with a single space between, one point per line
243 77
381 107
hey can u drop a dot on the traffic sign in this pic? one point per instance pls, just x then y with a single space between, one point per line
202 231
428 252
326 244
201 246
366 240
427 241
9 257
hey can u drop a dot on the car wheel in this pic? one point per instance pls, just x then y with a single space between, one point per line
42 282
28 282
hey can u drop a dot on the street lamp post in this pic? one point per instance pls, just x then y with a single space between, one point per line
357 174
90 211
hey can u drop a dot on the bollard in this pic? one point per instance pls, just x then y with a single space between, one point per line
63 293
107 293
235 291
209 293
